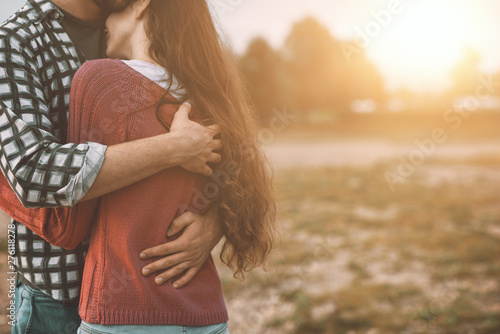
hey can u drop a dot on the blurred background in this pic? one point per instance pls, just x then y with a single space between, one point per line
381 119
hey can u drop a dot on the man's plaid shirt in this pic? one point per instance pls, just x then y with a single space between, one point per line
37 64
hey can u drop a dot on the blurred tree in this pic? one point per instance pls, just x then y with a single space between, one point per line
323 77
265 78
313 61
364 80
466 73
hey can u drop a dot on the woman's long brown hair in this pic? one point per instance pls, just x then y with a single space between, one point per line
185 41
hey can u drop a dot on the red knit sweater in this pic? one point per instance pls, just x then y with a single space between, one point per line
111 103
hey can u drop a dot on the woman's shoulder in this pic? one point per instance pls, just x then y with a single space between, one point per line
99 67
99 75
102 64
104 71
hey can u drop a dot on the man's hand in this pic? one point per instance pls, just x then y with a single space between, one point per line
189 252
197 142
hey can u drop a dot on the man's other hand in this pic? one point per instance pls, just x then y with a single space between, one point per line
189 252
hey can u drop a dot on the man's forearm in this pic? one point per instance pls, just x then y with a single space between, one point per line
131 162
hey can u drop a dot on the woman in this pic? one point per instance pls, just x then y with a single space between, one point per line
171 53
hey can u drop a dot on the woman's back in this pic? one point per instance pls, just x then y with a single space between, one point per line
113 103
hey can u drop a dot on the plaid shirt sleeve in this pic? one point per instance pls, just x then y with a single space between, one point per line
41 170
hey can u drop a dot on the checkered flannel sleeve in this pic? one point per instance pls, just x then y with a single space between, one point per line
41 170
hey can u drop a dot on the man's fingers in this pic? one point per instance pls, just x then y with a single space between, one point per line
215 128
185 107
200 168
183 111
207 171
180 222
165 249
215 158
216 144
188 276
172 272
163 264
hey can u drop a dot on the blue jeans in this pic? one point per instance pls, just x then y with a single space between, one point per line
86 328
38 313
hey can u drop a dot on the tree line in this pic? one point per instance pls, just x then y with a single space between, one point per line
312 73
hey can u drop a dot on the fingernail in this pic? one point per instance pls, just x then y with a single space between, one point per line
146 272
176 285
159 280
142 256
169 231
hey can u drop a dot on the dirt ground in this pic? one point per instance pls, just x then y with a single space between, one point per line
363 152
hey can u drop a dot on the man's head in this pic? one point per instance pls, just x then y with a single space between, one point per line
113 5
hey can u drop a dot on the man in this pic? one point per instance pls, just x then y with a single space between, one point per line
41 47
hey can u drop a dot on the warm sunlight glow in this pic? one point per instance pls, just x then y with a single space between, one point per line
423 43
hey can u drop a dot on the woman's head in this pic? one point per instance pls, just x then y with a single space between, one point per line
183 39
125 35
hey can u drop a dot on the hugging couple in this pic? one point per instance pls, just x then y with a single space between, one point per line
121 174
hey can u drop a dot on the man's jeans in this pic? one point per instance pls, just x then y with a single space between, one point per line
37 313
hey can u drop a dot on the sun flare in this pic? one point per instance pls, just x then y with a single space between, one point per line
424 42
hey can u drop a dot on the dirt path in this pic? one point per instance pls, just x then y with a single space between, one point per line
365 152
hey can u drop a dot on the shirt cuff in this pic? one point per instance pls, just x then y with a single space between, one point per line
77 188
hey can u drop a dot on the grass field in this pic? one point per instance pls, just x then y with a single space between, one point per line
356 257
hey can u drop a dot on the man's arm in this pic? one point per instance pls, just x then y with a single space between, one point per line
41 170
188 144
67 227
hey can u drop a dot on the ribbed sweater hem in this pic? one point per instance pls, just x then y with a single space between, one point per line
124 317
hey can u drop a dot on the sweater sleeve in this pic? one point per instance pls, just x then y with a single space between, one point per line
95 111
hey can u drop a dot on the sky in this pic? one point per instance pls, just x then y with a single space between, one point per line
414 43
